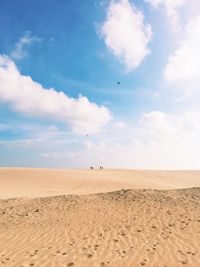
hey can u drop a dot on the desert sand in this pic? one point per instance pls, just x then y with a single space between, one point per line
22 182
99 218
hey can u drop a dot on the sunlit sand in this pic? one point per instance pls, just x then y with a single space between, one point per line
99 218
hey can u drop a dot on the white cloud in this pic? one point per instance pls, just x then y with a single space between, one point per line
31 136
30 98
159 128
171 7
20 47
184 64
159 141
119 125
125 33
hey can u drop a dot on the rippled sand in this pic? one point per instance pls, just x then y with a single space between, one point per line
136 227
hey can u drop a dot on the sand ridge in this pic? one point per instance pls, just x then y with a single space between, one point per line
27 182
122 228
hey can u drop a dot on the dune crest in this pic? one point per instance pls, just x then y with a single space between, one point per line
27 182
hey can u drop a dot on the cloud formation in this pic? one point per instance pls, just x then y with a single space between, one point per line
31 99
171 7
159 128
19 51
184 64
159 141
125 33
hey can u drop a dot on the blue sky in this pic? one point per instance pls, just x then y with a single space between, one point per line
60 104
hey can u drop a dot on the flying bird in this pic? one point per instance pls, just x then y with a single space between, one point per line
118 83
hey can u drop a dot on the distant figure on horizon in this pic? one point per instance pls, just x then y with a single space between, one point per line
91 168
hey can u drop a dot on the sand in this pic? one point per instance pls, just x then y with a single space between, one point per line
94 222
22 182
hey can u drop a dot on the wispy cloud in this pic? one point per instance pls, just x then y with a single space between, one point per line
171 7
156 140
4 127
20 50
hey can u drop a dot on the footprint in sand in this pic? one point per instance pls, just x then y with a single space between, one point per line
70 264
184 261
96 247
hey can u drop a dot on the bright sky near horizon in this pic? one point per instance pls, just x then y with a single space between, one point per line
112 83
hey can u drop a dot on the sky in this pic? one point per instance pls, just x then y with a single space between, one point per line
113 83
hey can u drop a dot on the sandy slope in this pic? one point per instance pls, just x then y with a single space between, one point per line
122 228
125 228
19 182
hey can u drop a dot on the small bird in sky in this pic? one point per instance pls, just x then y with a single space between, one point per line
118 83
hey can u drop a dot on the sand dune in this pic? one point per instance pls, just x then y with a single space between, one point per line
21 182
124 228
